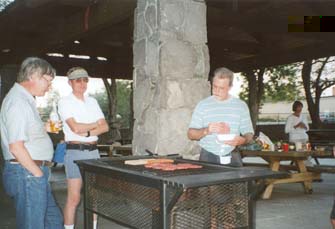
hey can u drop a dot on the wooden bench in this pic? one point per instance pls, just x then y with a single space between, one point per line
322 137
322 168
315 169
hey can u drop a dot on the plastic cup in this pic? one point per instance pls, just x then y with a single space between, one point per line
54 126
285 147
298 146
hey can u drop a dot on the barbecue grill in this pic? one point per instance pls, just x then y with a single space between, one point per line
212 196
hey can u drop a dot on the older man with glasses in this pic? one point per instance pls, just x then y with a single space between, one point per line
83 122
27 148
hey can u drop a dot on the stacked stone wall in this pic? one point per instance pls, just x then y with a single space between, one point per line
171 67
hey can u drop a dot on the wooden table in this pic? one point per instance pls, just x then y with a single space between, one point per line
297 171
124 150
115 149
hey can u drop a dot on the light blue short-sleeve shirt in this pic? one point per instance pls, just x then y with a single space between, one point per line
20 121
233 111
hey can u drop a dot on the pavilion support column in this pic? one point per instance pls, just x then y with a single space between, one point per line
8 74
171 67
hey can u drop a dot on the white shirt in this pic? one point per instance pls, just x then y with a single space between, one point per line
296 134
20 121
87 111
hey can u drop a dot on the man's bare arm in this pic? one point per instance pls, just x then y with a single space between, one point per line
248 137
101 128
80 128
197 134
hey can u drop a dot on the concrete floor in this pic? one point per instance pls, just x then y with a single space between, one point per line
288 208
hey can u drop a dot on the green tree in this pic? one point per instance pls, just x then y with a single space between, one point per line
123 90
101 97
317 76
4 4
255 92
123 108
269 84
281 83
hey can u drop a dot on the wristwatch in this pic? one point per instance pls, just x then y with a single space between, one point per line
88 134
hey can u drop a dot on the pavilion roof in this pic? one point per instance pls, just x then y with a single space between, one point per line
242 34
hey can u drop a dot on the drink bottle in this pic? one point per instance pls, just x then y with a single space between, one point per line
54 119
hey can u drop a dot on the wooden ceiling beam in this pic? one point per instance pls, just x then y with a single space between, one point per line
259 18
105 13
97 69
120 56
110 53
82 3
237 46
278 57
66 30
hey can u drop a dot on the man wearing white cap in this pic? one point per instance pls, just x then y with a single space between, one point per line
83 122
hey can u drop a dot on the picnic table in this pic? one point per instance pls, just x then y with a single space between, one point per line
298 172
114 149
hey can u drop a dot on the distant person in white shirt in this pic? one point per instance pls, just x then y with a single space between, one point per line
297 125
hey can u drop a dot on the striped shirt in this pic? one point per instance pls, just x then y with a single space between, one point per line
233 111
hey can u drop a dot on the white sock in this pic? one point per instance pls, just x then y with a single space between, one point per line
95 223
69 226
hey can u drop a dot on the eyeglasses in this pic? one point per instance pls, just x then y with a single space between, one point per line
79 80
47 79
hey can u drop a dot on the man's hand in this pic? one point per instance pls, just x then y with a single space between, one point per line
48 129
47 126
301 125
219 128
38 173
238 140
21 154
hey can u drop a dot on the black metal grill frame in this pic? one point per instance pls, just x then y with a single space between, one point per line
152 200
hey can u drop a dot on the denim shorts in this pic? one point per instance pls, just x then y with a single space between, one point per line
71 169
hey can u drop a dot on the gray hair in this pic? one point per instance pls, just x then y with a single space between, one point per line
32 65
224 73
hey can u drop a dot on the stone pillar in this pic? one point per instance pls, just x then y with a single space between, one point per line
8 74
171 67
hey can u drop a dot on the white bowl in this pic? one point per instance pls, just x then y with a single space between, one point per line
225 137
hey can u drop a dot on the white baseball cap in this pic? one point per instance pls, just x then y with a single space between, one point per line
78 73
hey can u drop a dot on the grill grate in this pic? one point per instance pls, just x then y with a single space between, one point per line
217 206
183 172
